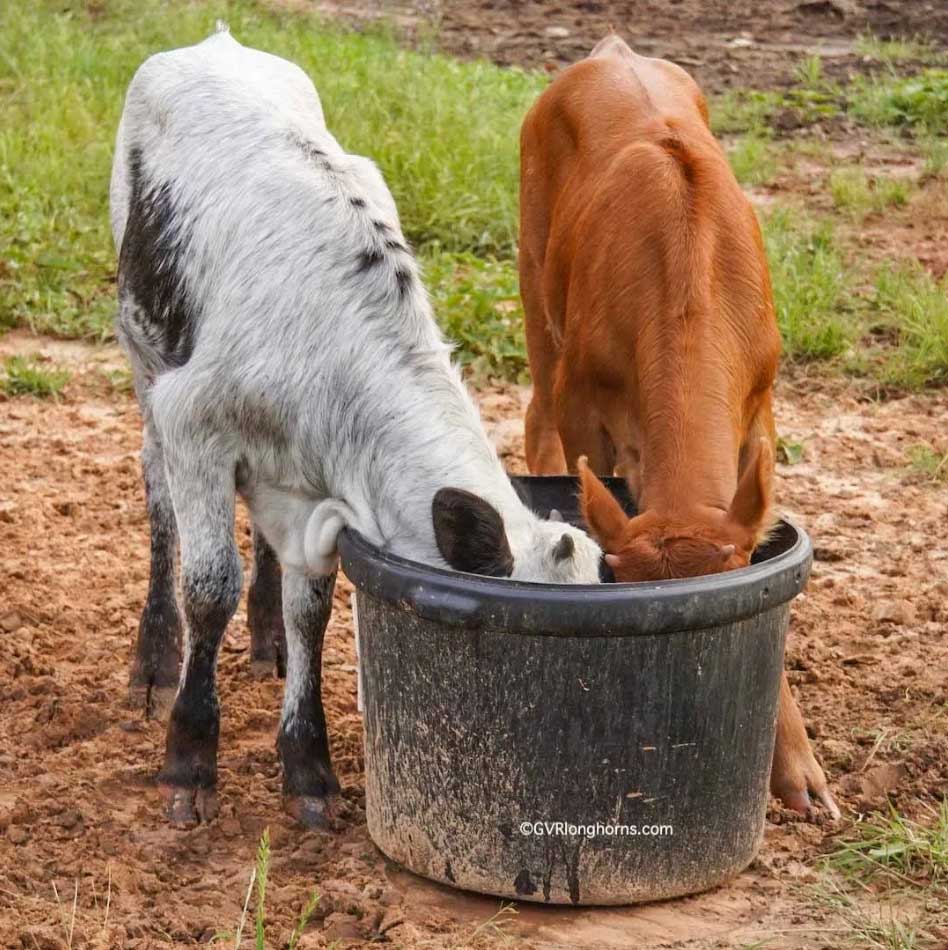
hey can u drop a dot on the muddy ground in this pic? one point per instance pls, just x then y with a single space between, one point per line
85 856
79 813
723 43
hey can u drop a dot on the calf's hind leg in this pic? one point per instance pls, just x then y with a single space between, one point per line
202 486
265 611
153 676
308 779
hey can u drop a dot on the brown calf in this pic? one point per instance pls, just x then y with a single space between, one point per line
651 333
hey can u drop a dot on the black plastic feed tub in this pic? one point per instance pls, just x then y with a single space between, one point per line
571 744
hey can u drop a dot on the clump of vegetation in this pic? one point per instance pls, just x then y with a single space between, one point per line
259 877
929 461
899 50
30 376
914 307
894 849
934 151
64 69
477 302
752 159
888 879
808 283
855 191
919 101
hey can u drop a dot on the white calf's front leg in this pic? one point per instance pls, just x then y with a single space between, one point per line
308 779
201 480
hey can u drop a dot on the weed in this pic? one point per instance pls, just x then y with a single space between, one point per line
752 159
492 932
789 452
919 101
478 305
808 283
259 878
896 850
262 869
915 306
929 462
30 377
809 72
934 151
894 51
855 191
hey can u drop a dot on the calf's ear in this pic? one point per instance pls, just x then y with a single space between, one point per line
751 502
602 513
470 533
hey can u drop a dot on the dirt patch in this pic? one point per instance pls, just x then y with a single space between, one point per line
79 813
753 43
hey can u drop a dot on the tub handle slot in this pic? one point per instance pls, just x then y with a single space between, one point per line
446 607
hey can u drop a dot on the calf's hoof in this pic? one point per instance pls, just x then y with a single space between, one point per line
793 783
311 811
153 700
186 807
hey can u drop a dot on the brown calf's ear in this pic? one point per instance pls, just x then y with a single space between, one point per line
752 499
470 533
602 513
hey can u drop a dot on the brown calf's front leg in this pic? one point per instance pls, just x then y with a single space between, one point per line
153 676
308 779
265 611
795 772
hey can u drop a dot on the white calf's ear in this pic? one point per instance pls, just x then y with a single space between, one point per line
322 534
564 548
470 533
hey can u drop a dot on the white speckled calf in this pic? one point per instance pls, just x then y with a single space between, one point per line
283 347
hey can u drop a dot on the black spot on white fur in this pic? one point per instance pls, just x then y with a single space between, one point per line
155 307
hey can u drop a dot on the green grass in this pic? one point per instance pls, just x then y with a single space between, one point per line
929 462
478 305
24 376
894 51
883 99
444 133
919 102
860 194
888 879
896 850
808 282
934 151
752 159
259 878
914 306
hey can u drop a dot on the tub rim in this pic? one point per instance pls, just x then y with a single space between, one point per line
527 608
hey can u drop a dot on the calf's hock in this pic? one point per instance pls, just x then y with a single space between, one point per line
571 744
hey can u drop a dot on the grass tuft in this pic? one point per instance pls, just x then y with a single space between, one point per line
899 50
914 306
262 868
30 376
896 850
752 159
807 274
478 306
929 462
919 101
860 194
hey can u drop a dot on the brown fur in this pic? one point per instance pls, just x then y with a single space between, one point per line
651 331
